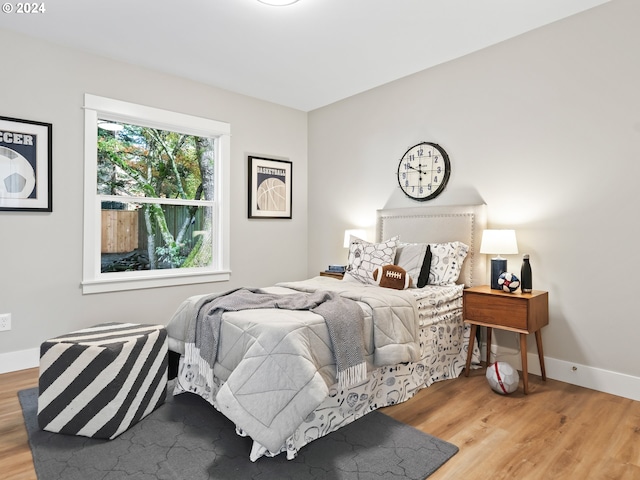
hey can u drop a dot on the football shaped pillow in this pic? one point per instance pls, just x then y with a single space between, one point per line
392 276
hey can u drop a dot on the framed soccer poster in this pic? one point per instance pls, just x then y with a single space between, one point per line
25 165
269 188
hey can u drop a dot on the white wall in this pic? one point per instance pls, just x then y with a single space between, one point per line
545 129
41 253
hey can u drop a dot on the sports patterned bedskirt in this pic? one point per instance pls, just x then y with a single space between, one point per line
444 341
99 381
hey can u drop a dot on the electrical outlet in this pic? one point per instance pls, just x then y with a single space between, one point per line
5 321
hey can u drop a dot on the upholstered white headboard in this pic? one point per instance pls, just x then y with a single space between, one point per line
440 224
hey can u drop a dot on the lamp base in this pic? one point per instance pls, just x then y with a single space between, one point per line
498 266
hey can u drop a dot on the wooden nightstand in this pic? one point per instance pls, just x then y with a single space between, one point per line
524 313
337 275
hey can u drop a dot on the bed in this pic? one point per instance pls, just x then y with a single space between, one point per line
276 373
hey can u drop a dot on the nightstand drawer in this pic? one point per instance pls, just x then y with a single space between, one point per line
496 310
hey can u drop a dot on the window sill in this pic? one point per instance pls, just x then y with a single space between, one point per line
137 283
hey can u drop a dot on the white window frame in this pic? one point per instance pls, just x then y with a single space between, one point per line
93 280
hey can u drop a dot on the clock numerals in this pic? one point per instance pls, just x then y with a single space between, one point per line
423 171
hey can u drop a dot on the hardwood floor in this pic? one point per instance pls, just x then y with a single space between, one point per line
558 431
15 456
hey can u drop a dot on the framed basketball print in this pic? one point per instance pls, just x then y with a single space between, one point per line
269 188
25 165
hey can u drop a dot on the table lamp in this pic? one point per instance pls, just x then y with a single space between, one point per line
356 233
498 242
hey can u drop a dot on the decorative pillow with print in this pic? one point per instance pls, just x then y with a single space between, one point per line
446 262
365 257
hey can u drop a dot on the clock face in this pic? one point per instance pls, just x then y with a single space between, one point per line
423 171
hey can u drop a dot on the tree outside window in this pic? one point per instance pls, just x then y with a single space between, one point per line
158 194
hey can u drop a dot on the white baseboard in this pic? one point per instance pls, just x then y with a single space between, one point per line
615 383
21 360
606 381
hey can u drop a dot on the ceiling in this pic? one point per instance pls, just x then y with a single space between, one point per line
306 55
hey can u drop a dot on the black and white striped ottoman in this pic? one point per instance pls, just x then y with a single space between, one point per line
99 381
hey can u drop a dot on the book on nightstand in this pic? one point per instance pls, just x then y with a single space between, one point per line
337 268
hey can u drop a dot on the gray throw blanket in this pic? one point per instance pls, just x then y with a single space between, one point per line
344 319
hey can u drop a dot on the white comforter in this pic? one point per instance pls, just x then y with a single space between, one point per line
277 366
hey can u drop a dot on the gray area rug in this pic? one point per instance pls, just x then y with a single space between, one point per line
187 439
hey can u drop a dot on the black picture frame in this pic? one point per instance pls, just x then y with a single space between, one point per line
270 188
26 182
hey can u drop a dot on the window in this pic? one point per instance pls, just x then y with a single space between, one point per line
156 197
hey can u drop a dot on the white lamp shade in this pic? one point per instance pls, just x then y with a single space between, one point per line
499 242
356 233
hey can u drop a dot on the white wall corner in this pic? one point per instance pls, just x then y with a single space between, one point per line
20 360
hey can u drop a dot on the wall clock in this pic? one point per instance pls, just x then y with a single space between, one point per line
424 171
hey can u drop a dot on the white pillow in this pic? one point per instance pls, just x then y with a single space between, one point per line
446 262
365 257
410 256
